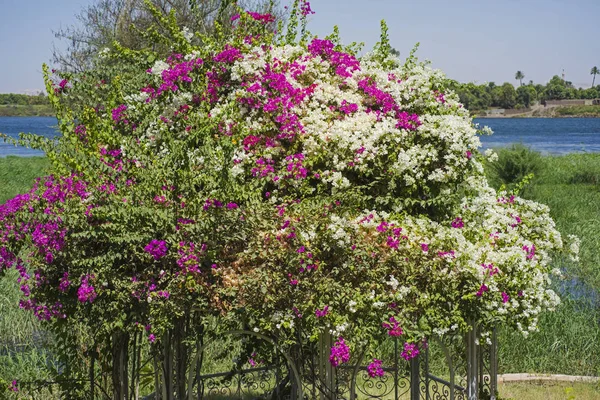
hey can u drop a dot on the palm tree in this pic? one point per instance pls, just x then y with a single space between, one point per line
595 71
519 75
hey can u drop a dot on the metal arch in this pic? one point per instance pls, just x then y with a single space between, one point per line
355 373
289 360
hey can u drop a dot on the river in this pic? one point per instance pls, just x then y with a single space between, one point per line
547 135
12 126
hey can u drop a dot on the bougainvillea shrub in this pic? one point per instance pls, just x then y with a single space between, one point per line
282 184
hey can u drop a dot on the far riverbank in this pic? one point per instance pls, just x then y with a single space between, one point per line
37 110
539 111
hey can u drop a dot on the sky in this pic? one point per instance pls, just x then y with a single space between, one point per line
470 40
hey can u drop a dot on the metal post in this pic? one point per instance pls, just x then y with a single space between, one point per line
472 363
494 365
326 371
427 397
415 379
396 367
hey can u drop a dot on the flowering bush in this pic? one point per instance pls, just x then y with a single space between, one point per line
284 183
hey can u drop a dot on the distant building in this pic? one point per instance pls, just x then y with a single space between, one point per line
495 111
573 102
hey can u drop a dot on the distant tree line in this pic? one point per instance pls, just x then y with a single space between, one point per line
23 99
481 97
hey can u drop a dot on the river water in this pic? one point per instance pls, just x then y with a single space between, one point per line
12 126
547 135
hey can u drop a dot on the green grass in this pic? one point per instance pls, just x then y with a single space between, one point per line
569 339
569 186
568 343
579 111
17 327
38 110
17 174
549 391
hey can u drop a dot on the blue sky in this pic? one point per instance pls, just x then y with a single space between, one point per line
470 40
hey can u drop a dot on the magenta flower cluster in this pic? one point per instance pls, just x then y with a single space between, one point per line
374 369
86 291
262 18
189 256
305 9
340 353
118 114
228 55
322 313
458 223
411 350
156 248
393 327
173 77
345 64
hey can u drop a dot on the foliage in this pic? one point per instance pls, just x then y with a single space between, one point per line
104 22
514 164
519 76
481 97
26 111
526 95
275 182
591 111
23 99
594 71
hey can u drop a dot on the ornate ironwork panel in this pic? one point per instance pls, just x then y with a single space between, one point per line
442 371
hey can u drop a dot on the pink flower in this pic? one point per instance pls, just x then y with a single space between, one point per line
156 248
322 313
64 282
458 223
374 369
229 55
263 18
340 353
305 8
482 289
151 338
382 227
411 350
86 291
393 327
393 242
505 298
118 114
530 251
349 108
425 247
